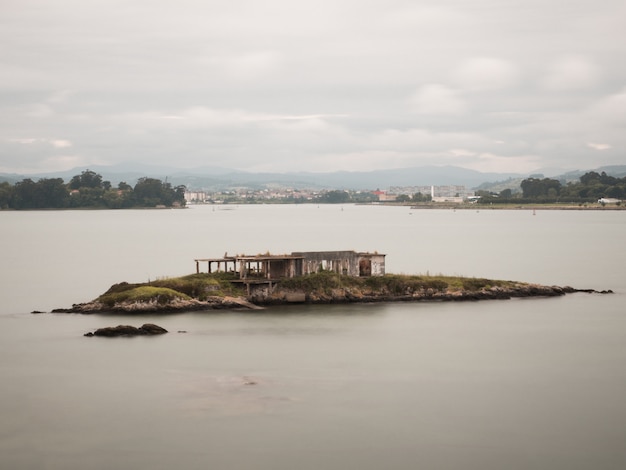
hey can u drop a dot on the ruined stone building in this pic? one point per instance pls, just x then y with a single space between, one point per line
274 267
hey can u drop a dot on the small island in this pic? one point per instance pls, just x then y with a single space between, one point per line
254 282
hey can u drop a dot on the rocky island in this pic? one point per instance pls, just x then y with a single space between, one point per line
211 291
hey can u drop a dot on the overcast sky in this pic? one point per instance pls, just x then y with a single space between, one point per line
323 85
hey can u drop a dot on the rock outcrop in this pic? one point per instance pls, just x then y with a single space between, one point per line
127 330
352 295
175 305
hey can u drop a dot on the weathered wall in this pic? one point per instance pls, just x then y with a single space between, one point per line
342 262
378 264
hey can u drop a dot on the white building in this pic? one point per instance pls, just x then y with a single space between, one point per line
195 196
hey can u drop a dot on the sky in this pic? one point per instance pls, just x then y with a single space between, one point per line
325 85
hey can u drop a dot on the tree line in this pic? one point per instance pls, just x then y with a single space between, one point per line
590 188
88 190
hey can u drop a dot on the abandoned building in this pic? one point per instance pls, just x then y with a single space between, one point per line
268 267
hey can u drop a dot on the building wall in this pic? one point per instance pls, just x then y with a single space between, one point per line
342 262
282 268
434 191
195 196
378 264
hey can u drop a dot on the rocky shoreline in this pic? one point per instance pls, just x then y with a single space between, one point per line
493 293
282 296
151 306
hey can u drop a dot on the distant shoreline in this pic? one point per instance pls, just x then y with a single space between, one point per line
425 206
518 207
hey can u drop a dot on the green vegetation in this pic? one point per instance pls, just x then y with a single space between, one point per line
87 190
395 284
162 295
201 286
589 189
196 286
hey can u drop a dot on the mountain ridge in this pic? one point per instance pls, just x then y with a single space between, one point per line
219 178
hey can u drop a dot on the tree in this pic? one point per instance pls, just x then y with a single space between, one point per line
117 199
180 191
6 194
24 194
87 179
87 197
150 192
534 188
506 193
485 196
419 197
43 194
336 197
53 193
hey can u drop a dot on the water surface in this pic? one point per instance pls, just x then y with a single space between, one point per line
528 383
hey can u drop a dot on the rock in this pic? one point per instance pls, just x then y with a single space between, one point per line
119 330
127 330
295 297
152 329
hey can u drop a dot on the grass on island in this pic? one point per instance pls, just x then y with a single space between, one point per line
196 286
203 286
393 283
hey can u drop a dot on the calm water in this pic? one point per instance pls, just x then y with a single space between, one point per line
519 384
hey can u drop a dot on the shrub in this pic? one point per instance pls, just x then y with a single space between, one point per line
142 294
474 284
201 286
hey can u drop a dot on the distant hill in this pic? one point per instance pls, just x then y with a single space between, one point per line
513 183
11 178
217 178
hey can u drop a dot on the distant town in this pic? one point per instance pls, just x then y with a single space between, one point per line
290 195
592 188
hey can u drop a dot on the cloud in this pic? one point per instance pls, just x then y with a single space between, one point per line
596 146
437 99
198 117
62 162
432 18
571 73
23 141
489 162
60 143
364 160
39 110
279 84
245 67
485 73
461 153
56 143
611 109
